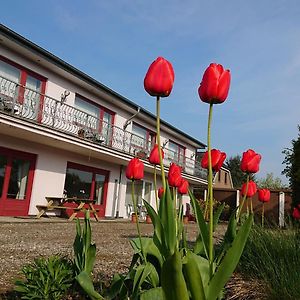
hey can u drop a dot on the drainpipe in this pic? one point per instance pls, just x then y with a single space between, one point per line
119 192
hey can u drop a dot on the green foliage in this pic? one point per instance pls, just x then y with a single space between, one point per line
274 257
46 278
271 182
85 255
292 169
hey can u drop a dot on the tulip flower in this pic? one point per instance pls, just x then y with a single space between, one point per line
135 169
250 161
154 155
174 175
217 159
184 187
215 84
251 188
160 192
159 78
264 195
296 212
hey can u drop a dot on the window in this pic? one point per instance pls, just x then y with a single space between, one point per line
219 176
142 139
142 190
85 182
225 178
13 79
176 153
94 117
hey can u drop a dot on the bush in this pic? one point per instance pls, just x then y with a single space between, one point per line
46 278
274 257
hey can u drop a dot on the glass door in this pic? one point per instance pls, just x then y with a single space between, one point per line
16 179
87 183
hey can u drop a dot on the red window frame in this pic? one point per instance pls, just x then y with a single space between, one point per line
24 72
12 206
94 171
102 109
180 147
149 133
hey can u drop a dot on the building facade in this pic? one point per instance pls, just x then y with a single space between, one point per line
64 133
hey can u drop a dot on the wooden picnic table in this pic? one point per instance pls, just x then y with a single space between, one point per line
57 203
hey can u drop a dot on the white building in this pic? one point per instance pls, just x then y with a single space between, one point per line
63 132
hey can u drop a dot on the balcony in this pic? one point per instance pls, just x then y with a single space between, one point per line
26 104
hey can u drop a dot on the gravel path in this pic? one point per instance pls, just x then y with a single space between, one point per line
24 240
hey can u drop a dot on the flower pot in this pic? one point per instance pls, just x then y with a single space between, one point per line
148 219
134 218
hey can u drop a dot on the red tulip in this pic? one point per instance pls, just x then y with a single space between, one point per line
154 155
296 212
250 161
160 192
135 169
217 159
251 188
264 195
215 83
174 175
184 187
159 78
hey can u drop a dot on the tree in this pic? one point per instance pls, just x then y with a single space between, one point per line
233 164
271 182
292 168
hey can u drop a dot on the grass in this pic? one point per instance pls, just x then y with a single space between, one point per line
273 256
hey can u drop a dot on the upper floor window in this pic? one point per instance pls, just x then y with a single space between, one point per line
94 117
176 153
22 86
142 138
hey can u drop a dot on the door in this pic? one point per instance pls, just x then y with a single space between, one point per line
16 179
87 183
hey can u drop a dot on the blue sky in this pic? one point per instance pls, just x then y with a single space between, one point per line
115 41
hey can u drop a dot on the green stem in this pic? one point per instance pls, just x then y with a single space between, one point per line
137 223
175 209
155 188
251 205
262 215
206 207
210 192
243 200
163 177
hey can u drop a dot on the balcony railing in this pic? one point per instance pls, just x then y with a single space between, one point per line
25 103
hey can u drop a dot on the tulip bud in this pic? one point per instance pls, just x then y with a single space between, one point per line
217 159
160 192
251 189
215 84
174 175
159 78
154 155
296 213
184 187
250 161
264 195
135 169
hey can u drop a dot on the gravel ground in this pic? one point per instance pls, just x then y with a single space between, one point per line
23 240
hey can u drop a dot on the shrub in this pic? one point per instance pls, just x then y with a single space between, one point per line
274 257
46 278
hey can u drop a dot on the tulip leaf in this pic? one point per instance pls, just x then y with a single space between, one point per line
86 283
230 260
217 215
168 220
193 270
203 231
172 279
141 273
153 294
159 235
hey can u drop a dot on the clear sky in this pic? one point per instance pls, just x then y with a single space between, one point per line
115 41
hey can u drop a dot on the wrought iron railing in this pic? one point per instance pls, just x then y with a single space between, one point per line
25 103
